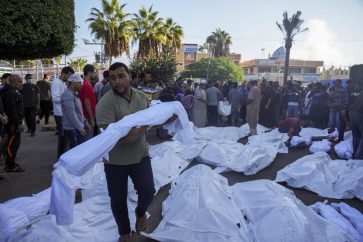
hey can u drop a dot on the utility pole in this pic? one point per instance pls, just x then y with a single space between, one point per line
102 52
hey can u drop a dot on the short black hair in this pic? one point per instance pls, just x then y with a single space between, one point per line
88 68
67 70
117 65
28 76
106 74
5 75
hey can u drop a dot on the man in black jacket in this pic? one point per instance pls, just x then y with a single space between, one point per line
31 97
14 109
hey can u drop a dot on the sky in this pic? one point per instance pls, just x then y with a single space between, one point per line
335 26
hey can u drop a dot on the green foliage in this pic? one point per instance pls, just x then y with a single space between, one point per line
218 68
162 68
218 43
77 64
32 29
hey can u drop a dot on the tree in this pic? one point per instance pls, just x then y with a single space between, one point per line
162 67
174 34
110 25
150 32
77 64
219 43
32 29
217 68
290 27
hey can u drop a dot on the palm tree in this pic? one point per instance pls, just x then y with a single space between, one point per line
77 64
111 27
219 43
174 34
290 27
150 32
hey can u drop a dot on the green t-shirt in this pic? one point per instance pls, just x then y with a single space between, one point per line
113 107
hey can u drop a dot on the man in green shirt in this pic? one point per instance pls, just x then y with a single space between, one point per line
130 155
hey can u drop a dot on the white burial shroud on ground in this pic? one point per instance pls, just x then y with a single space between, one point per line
329 178
202 207
93 219
332 215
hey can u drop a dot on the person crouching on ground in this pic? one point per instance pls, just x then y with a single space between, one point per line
292 126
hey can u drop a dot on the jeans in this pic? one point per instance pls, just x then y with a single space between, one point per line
74 137
292 111
356 122
141 175
334 120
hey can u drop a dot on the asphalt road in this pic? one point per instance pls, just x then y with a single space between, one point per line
38 154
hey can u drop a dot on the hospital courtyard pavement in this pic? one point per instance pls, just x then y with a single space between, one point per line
37 155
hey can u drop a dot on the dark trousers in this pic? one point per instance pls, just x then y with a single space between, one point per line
74 137
14 139
61 139
117 176
44 110
356 122
31 118
212 112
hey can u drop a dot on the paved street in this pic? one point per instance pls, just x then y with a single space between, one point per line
38 154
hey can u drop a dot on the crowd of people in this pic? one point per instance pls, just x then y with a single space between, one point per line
288 107
82 105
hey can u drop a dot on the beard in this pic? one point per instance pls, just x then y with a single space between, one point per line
121 89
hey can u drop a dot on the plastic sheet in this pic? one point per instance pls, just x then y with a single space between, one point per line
248 159
224 108
328 178
351 214
320 146
297 140
329 213
259 210
344 149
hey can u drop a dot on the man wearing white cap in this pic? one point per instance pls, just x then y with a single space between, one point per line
74 123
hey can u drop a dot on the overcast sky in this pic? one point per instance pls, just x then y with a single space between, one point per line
335 26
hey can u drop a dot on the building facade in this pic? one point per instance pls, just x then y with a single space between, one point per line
189 54
273 68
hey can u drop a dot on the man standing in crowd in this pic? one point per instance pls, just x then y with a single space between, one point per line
107 86
14 109
44 91
58 86
30 93
213 96
356 122
73 121
235 98
253 106
342 98
318 100
88 98
99 86
130 155
199 109
293 100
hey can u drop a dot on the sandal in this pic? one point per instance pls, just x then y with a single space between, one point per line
14 169
141 224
